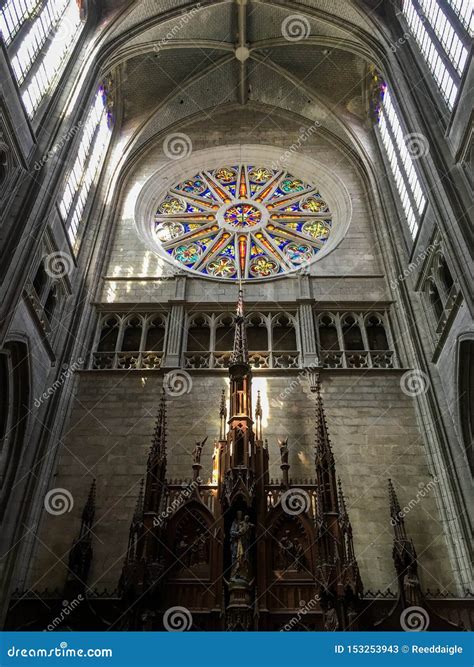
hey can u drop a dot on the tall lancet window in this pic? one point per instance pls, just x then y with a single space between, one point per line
441 31
91 152
40 37
400 159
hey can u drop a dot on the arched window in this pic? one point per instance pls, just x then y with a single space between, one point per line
328 338
257 333
91 153
445 275
466 397
401 163
283 333
155 337
3 165
435 300
199 334
441 36
109 335
376 334
132 334
351 333
40 280
224 333
51 303
39 54
14 409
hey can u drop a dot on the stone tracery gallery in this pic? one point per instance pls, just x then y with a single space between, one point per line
237 342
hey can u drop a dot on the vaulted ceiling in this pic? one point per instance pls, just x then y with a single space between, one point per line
173 59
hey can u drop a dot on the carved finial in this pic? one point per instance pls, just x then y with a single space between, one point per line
223 406
342 500
138 514
240 352
258 407
395 510
158 446
89 508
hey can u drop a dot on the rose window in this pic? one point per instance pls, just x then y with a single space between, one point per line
243 223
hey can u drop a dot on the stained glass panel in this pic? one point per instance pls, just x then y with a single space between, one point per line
243 222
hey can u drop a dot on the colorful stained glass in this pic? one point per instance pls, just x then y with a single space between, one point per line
260 175
314 205
226 175
242 215
299 253
316 229
263 267
242 222
171 206
187 254
222 267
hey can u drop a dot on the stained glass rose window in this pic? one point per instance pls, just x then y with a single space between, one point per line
243 222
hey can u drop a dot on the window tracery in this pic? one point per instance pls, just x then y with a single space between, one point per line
355 340
272 340
442 40
129 341
242 222
91 153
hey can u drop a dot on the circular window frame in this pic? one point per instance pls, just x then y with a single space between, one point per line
332 188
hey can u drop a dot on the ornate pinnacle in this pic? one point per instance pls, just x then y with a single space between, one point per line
344 517
223 406
395 510
258 407
240 353
323 443
138 514
89 508
158 445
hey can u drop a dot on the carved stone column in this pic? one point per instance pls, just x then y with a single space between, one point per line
176 325
174 339
307 334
